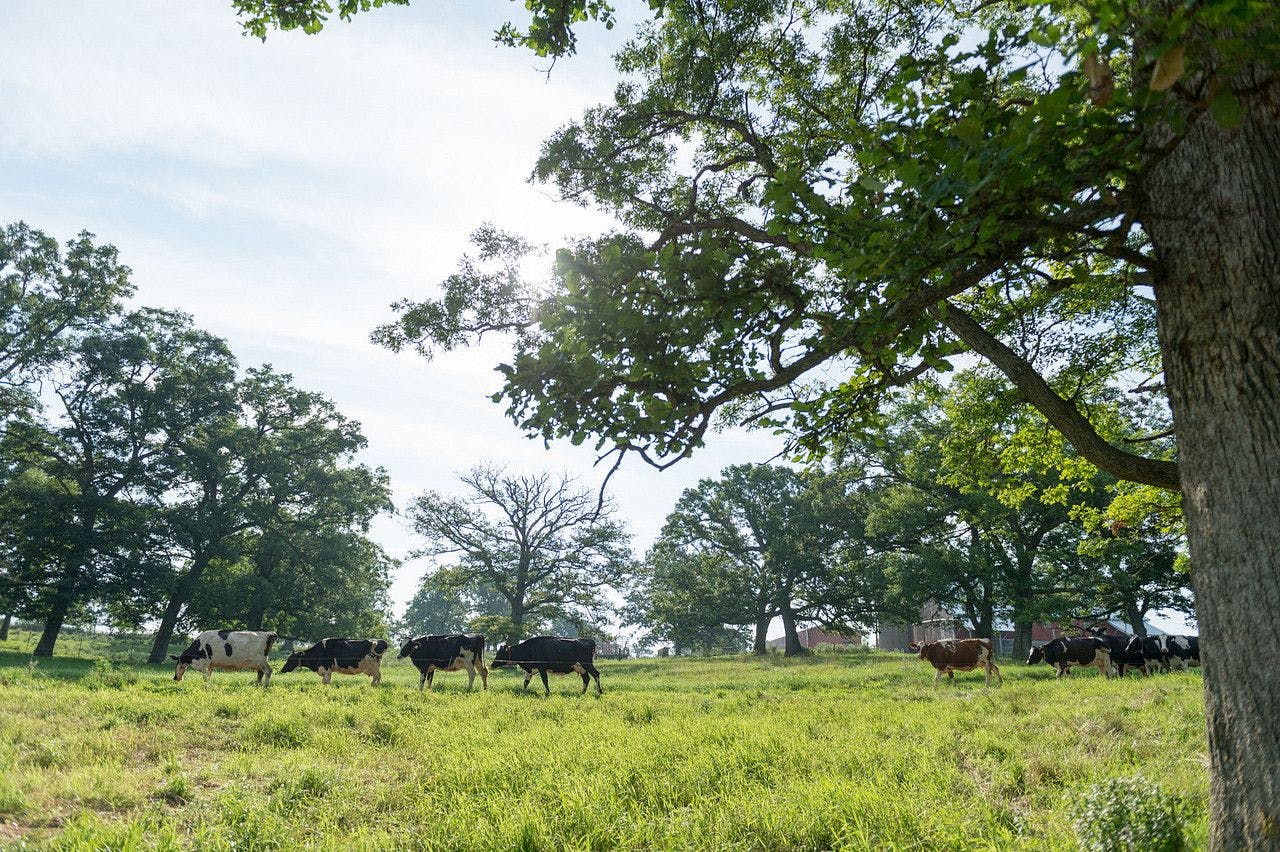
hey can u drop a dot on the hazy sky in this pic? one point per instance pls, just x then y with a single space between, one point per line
285 193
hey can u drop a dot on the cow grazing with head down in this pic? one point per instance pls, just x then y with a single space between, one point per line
959 655
551 654
1152 650
344 656
1121 650
446 653
1063 653
231 650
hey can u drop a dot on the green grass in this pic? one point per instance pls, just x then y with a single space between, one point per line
853 751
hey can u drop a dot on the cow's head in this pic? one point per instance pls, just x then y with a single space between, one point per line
294 660
407 648
193 656
918 647
1036 655
503 657
379 647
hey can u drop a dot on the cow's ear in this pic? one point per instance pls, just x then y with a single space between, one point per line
172 657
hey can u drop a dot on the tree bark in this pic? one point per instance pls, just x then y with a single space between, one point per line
793 648
181 594
1021 640
1214 220
760 645
4 626
53 625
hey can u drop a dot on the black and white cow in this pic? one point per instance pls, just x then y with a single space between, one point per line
344 656
1153 651
1076 651
551 654
447 653
1121 656
1183 651
232 650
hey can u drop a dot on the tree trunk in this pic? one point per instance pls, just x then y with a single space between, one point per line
761 644
4 626
53 625
1136 621
793 647
1214 220
1021 640
181 594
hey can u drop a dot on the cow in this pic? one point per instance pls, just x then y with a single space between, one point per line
551 654
1078 651
344 656
233 650
1152 650
446 653
1183 651
1119 649
959 655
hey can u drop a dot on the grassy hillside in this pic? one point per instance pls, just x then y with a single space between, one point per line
838 751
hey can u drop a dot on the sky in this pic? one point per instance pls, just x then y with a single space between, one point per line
285 193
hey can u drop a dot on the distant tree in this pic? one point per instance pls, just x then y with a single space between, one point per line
439 606
759 542
46 295
277 451
127 391
696 601
542 543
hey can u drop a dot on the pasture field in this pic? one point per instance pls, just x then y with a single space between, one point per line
850 751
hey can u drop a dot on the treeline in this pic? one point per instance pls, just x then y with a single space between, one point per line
964 499
147 480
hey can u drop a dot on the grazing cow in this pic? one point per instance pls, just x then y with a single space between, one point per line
1183 651
344 656
959 655
447 653
233 650
551 654
1079 651
1121 655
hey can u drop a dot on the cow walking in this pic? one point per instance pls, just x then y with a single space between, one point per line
551 654
446 653
1063 653
949 656
344 656
230 650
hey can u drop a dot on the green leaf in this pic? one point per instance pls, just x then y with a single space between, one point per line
1227 111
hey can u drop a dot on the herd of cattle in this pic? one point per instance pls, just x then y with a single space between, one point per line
1110 655
239 650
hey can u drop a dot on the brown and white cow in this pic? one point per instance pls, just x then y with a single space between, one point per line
959 655
230 650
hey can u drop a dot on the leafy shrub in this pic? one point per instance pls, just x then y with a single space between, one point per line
1132 815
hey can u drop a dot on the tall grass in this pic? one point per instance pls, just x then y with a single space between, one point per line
852 751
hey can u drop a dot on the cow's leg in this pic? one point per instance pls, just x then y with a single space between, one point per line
422 680
258 682
993 669
471 675
206 674
595 673
586 681
431 675
377 672
1062 670
484 673
527 677
937 676
326 675
545 685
